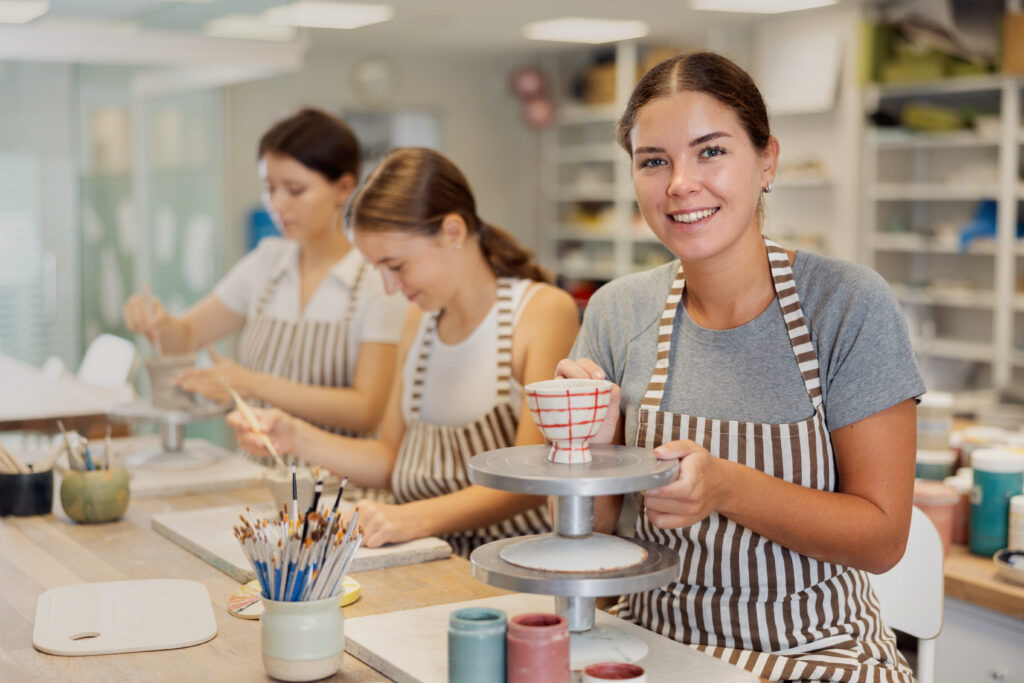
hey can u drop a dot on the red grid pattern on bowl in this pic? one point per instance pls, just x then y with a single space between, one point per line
583 429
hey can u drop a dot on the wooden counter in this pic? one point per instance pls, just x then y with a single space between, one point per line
975 579
39 553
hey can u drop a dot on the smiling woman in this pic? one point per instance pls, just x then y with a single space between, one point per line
485 324
764 372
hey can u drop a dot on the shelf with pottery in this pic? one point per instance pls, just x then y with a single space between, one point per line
929 244
938 192
953 348
585 179
954 297
919 194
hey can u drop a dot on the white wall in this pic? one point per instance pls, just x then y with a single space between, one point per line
481 128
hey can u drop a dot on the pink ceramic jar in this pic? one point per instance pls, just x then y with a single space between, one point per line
938 501
538 649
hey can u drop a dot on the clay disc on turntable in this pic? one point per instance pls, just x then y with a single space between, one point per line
597 552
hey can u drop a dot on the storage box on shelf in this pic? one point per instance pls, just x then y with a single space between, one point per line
940 217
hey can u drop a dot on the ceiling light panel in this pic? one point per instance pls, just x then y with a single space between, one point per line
247 27
22 11
585 30
758 6
329 14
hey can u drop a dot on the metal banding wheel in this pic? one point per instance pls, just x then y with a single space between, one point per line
660 567
614 469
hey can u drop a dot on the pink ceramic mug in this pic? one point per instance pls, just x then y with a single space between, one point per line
568 413
614 671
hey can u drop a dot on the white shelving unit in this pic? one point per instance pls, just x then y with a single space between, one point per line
919 190
591 227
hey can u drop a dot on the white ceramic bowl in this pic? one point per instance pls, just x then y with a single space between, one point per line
1011 572
568 413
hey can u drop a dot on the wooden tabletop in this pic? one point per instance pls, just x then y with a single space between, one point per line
975 579
39 553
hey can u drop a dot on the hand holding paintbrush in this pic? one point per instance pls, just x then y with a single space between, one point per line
254 424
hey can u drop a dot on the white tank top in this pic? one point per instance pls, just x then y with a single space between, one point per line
460 385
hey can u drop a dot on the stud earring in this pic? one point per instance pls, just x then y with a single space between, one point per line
768 188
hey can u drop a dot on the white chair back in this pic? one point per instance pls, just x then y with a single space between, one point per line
911 593
108 361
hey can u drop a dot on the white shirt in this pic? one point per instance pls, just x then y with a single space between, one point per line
378 316
460 385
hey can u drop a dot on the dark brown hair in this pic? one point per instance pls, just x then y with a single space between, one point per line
414 188
704 72
319 141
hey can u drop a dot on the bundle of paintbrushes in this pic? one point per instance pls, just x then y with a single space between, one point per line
303 557
11 465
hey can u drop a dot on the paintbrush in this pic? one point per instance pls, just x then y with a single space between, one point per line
10 464
254 424
340 490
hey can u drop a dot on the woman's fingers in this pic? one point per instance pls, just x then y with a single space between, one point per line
584 368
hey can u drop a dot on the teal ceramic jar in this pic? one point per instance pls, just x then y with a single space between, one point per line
998 476
935 465
302 641
476 645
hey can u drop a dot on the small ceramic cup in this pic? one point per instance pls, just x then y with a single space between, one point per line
95 496
162 370
302 641
537 648
568 413
26 494
476 645
614 671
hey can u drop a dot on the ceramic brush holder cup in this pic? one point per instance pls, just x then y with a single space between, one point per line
162 370
302 640
95 496
569 412
23 495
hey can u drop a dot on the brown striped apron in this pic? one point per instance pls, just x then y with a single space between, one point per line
311 352
740 596
433 459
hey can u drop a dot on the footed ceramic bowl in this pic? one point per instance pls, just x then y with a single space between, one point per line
568 413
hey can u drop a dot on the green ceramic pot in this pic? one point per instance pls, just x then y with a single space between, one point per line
96 495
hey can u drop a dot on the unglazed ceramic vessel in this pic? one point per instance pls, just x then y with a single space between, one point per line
162 370
569 412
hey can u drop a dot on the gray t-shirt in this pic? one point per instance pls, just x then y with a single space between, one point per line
749 373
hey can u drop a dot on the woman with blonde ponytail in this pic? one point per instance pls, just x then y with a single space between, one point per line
486 323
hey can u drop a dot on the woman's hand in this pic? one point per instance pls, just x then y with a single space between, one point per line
385 523
699 488
280 427
144 315
585 368
212 382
